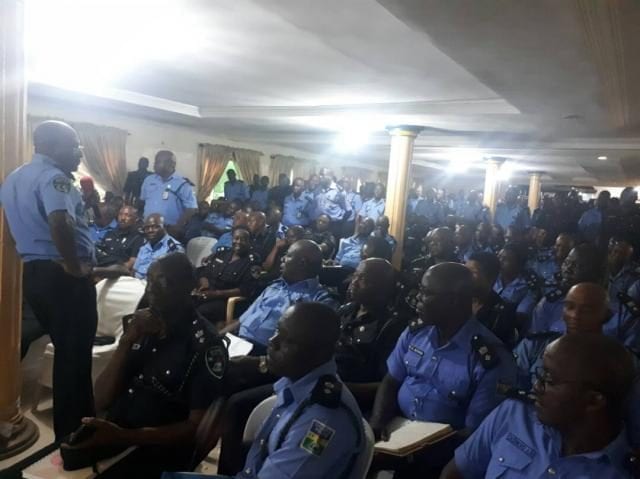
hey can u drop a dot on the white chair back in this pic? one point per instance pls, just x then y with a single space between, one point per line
117 298
257 417
363 461
199 248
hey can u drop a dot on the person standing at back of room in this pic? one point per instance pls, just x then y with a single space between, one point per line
46 217
169 194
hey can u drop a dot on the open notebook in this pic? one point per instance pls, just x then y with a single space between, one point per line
406 436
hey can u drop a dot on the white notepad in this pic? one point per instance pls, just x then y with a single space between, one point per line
406 436
238 346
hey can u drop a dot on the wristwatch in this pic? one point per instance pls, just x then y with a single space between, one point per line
262 365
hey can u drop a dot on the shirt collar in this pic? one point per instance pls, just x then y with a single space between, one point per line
615 452
462 338
304 285
163 180
301 389
39 158
160 243
624 270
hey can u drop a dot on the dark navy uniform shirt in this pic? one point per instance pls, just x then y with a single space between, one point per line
166 378
223 274
499 317
118 246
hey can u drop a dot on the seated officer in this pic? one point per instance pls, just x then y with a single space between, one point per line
362 351
240 220
315 429
168 194
262 240
166 371
219 220
488 307
547 263
121 245
441 247
272 265
299 283
463 238
376 247
349 251
574 429
382 230
321 235
623 272
104 222
158 244
515 284
227 273
193 228
445 367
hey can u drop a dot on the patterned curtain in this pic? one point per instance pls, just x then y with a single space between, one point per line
281 164
212 161
248 163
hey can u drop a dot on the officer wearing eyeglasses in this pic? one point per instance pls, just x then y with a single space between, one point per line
573 428
46 217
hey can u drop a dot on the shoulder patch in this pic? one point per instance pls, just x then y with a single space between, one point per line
216 359
317 438
62 184
488 357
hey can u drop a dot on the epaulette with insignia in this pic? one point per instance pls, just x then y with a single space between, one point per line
629 304
189 182
543 335
512 392
171 245
532 279
327 392
255 271
485 352
416 324
554 295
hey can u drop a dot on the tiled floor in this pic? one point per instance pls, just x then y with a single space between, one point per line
43 418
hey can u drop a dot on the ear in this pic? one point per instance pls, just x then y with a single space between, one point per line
595 401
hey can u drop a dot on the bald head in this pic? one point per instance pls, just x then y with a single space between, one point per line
306 338
449 278
164 164
373 283
59 141
302 261
441 243
445 295
584 263
153 228
586 308
257 222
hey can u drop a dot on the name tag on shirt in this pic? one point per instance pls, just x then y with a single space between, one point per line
165 195
413 349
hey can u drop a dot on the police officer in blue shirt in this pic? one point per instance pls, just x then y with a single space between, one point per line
299 284
515 284
104 223
168 194
374 208
159 243
446 366
350 249
329 200
240 220
510 213
471 211
430 209
574 429
260 196
623 272
46 217
382 231
315 429
297 206
220 219
592 221
235 189
353 204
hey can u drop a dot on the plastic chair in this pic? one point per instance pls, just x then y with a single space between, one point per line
231 307
363 461
115 298
257 417
199 248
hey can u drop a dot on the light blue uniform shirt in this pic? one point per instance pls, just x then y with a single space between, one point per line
336 428
392 242
225 241
353 203
373 209
169 198
148 254
350 251
329 202
219 221
515 216
511 443
621 283
472 212
236 191
29 195
449 384
98 233
589 224
517 292
296 210
258 323
431 210
261 198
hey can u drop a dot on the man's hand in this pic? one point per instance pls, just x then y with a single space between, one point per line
380 431
144 323
80 270
106 434
203 284
281 243
111 272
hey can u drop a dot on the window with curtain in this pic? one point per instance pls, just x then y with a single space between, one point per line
218 190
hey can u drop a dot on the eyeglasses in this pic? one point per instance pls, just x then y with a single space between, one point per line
543 379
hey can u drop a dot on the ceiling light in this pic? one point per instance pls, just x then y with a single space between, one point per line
351 140
90 44
602 158
505 171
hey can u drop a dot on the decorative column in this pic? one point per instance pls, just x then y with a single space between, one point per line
16 432
492 183
535 183
400 158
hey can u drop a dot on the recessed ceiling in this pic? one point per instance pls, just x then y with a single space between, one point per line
526 80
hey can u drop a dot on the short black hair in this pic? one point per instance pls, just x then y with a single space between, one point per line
488 262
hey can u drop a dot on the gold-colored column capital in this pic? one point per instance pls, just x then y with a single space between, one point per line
405 130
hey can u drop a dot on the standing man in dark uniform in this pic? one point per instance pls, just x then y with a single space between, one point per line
45 213
134 181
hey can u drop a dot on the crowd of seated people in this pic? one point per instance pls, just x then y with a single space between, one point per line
481 317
